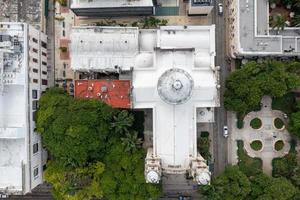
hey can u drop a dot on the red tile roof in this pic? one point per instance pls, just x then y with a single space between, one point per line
116 93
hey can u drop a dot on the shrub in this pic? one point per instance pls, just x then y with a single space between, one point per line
256 145
278 123
279 145
256 123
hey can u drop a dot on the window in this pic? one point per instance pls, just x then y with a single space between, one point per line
35 70
34 40
34 60
35 148
44 54
64 73
36 172
34 50
65 65
34 116
35 80
63 24
44 82
44 63
35 105
64 33
34 94
44 44
44 72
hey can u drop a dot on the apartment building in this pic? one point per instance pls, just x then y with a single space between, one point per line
23 77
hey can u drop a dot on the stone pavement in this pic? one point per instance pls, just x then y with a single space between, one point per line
268 134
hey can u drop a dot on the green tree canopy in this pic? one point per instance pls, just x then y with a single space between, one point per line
95 151
245 87
232 184
294 122
77 131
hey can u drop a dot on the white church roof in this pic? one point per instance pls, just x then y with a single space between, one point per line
188 50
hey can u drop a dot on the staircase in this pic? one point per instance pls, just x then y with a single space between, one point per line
41 192
176 185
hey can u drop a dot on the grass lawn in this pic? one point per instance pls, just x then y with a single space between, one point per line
255 123
278 123
285 103
250 166
279 145
256 145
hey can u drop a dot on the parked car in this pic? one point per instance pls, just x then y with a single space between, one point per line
220 9
225 131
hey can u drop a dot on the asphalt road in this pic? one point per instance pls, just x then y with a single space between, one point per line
220 144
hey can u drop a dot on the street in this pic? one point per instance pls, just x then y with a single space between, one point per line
220 144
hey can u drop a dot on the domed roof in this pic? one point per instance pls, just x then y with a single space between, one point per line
203 178
175 86
152 177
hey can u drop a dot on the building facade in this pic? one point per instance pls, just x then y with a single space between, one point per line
23 75
112 8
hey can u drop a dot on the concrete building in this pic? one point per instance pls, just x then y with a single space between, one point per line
27 11
250 33
23 77
63 73
172 73
111 8
200 7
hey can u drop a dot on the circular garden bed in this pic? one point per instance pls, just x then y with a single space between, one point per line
279 145
256 145
255 123
278 123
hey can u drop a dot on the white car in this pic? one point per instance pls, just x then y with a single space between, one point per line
220 8
225 131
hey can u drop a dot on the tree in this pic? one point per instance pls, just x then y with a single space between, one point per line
124 178
75 184
278 22
295 21
74 131
280 189
232 184
131 142
245 87
122 121
294 123
89 160
203 147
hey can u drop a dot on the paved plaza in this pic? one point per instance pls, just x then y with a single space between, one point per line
268 134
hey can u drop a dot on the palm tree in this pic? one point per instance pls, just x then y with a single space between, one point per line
295 21
122 121
131 142
278 22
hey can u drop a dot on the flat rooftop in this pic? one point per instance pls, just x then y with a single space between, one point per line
116 93
28 11
110 3
255 37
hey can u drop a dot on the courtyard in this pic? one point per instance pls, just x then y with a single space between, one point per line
264 134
